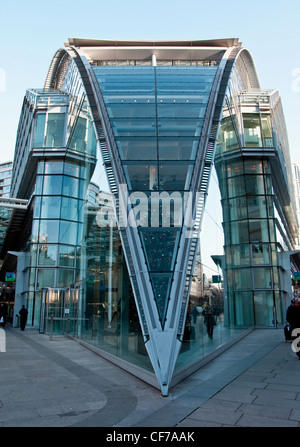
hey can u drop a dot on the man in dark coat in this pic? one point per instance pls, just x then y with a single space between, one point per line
23 317
293 315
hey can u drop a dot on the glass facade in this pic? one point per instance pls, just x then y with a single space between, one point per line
251 203
152 126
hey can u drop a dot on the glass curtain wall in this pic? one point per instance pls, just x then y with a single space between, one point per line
57 228
249 223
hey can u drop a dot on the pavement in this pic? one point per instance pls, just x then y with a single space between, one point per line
61 383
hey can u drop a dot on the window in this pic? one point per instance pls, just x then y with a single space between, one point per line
47 254
55 130
39 130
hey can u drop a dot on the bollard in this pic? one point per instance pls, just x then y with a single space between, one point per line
51 327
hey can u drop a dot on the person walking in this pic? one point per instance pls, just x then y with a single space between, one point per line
23 317
210 322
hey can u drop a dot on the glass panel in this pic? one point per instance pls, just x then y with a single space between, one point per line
55 130
65 278
179 149
253 167
39 184
258 231
68 232
267 130
239 232
124 110
237 208
50 207
47 254
227 139
37 207
262 278
161 287
78 140
91 146
137 148
141 177
179 127
263 302
52 185
241 255
49 231
175 177
236 186
252 130
45 278
242 279
66 255
260 254
257 207
187 110
54 167
254 184
243 309
39 130
161 248
35 230
72 209
72 187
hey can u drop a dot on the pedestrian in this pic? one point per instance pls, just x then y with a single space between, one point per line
23 317
210 322
293 315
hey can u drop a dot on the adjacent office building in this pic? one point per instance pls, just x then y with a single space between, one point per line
112 164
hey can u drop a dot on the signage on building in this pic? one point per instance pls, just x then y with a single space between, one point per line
10 277
216 278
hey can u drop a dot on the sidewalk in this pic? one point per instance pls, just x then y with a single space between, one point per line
60 383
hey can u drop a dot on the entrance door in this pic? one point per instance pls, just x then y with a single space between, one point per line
53 304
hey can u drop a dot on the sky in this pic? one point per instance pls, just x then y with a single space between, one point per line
32 31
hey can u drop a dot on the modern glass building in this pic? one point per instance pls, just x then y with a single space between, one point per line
113 160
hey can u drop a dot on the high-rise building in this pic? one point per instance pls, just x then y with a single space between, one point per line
114 157
5 179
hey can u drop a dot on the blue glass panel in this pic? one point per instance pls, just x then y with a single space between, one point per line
72 209
123 110
161 283
160 245
52 184
177 149
48 231
179 127
137 148
39 130
68 232
141 177
186 110
174 176
50 207
54 167
134 128
55 129
73 187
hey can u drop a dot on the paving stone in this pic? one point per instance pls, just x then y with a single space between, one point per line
248 420
218 417
263 410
